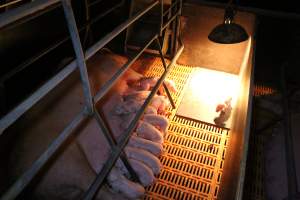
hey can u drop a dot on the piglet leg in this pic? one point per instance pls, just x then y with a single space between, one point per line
153 147
121 184
144 156
149 132
159 121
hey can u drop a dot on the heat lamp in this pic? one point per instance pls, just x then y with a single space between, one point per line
228 32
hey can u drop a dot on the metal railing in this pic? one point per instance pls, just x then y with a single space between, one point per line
89 110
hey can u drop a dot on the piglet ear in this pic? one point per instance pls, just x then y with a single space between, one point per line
219 107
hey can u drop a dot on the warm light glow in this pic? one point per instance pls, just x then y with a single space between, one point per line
213 87
205 91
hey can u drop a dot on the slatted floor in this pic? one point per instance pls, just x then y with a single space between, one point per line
194 151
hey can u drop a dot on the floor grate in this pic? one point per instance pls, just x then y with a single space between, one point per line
194 151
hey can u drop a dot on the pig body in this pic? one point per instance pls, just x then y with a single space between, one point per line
74 167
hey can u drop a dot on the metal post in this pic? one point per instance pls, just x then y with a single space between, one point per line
68 11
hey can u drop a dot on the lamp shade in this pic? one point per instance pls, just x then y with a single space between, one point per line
228 33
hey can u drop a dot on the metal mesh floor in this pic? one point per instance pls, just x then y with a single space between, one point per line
194 151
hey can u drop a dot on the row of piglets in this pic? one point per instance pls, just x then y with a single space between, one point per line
146 144
73 169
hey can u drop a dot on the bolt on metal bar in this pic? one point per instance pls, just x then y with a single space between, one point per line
100 44
68 11
112 142
103 90
98 182
24 11
27 177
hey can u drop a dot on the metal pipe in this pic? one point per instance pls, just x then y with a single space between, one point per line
112 143
68 11
108 85
9 3
171 7
19 110
24 11
27 177
172 19
165 67
30 61
90 193
106 39
54 46
94 2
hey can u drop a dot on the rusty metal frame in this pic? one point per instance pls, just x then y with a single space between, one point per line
89 110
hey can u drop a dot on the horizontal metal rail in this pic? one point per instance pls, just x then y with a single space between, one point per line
19 110
9 3
108 85
125 137
44 52
24 11
26 178
100 44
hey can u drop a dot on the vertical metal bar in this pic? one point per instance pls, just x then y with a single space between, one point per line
112 142
27 177
80 59
289 149
165 66
161 17
161 53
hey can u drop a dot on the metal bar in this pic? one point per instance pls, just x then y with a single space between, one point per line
161 53
94 2
171 7
54 46
19 110
172 19
9 3
30 61
107 12
103 90
106 39
24 11
90 193
112 142
27 177
165 67
288 139
68 11
161 17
